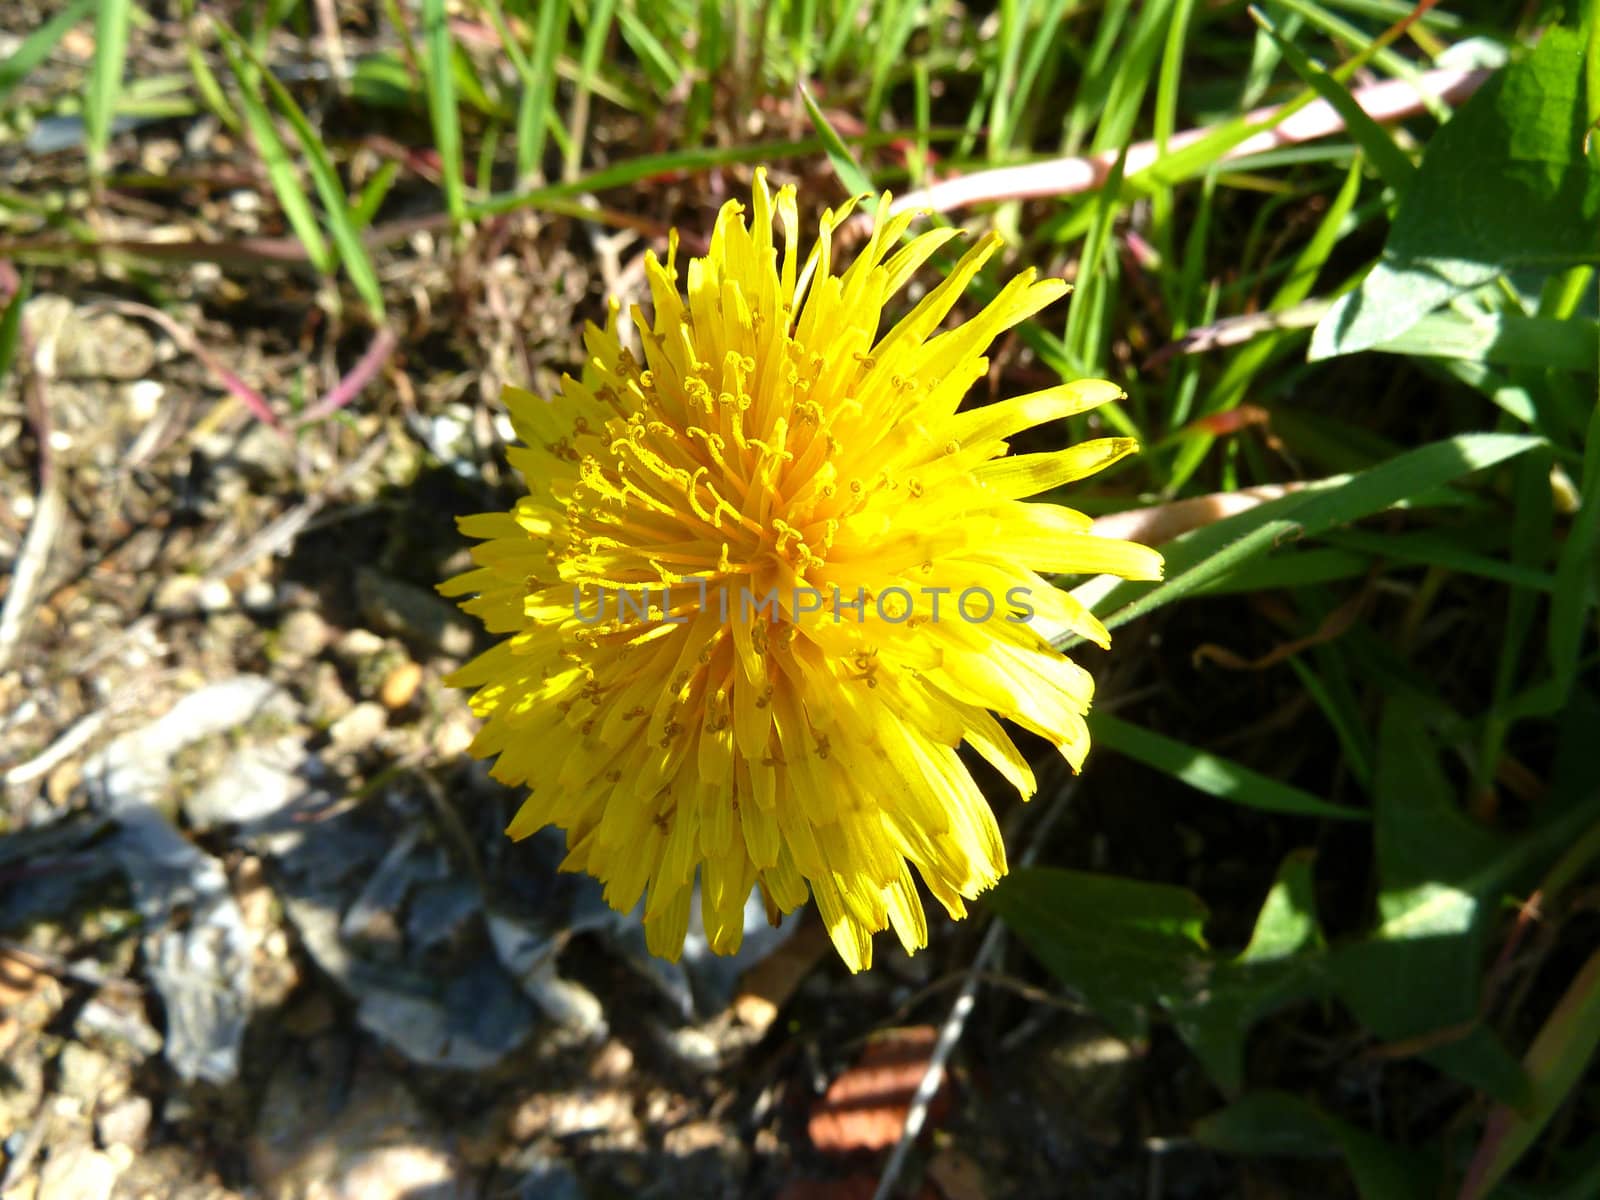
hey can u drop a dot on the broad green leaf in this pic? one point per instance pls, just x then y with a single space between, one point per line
1281 1123
1502 186
1124 945
1509 340
1280 966
1416 977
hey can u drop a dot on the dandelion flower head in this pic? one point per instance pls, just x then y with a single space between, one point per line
774 441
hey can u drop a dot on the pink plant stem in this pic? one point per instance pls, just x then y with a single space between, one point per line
184 336
360 375
1387 101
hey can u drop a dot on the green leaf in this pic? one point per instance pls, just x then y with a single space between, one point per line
104 84
1572 344
281 174
11 324
1279 966
1124 945
1211 773
1373 139
1204 556
36 47
1281 1123
439 76
1502 186
351 250
845 164
1439 875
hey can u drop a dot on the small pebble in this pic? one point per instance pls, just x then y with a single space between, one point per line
358 727
214 596
400 685
258 596
143 398
301 636
356 644
125 1123
452 738
176 594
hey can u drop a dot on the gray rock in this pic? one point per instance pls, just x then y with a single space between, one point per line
202 965
258 781
303 635
412 613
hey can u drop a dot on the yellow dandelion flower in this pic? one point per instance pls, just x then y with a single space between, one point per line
767 579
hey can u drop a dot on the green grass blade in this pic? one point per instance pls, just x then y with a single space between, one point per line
1051 39
351 251
440 80
1086 333
597 31
1166 117
846 26
36 47
1369 48
281 173
1008 50
659 66
1210 773
533 113
1205 555
1250 360
1428 548
205 80
1387 158
845 164
104 84
1095 76
11 324
643 167
894 25
365 206
1135 70
1343 711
